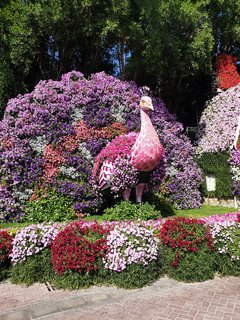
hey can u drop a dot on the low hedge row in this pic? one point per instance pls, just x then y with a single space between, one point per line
127 254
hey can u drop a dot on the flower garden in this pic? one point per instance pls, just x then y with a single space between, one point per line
54 141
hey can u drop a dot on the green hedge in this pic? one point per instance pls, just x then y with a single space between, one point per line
217 165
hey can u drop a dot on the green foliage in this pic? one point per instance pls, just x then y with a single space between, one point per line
74 280
4 269
49 207
37 268
127 210
136 275
162 204
193 267
216 164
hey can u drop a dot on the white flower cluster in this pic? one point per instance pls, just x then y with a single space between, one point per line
32 239
85 152
130 243
77 114
171 171
38 144
235 172
70 172
118 110
226 237
23 196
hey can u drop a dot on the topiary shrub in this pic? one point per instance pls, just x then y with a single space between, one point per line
187 249
127 210
216 164
5 250
51 137
80 247
226 237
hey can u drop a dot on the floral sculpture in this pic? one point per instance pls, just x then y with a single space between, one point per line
50 138
144 152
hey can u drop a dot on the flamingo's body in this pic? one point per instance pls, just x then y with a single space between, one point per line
146 152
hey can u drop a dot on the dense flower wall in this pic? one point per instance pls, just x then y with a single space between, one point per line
218 123
51 137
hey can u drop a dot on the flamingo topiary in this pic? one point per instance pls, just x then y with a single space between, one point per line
144 149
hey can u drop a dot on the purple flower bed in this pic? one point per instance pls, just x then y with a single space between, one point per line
51 137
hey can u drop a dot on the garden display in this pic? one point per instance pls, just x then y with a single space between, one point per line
128 254
56 138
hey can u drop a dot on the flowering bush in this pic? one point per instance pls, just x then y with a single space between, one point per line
227 74
226 239
218 123
187 249
79 247
32 240
53 135
223 218
5 245
126 210
184 235
226 235
129 243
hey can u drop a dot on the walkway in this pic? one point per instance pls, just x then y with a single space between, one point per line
217 299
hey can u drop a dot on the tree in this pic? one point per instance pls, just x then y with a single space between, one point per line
43 39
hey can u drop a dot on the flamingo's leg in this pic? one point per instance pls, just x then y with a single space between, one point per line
126 194
139 192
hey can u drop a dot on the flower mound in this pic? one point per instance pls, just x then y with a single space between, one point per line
129 243
79 247
52 136
226 237
31 240
218 122
5 245
185 235
227 74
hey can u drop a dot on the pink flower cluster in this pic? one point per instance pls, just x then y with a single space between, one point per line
53 160
120 146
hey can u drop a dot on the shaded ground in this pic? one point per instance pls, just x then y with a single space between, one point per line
217 299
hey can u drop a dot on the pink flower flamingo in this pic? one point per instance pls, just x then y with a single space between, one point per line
146 152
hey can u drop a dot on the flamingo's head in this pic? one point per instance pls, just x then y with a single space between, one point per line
146 103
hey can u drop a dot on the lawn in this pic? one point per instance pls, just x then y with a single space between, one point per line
204 211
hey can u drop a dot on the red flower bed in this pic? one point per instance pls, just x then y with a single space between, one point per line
79 246
227 74
5 245
185 235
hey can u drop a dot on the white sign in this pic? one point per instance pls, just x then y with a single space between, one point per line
211 183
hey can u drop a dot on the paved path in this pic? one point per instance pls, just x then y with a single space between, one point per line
217 299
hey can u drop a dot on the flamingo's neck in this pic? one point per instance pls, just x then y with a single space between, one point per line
146 123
